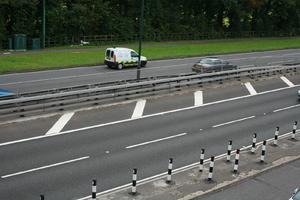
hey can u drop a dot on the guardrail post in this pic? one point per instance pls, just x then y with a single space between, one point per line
211 168
94 188
42 197
253 143
170 167
201 160
263 152
134 179
276 136
236 162
229 148
294 130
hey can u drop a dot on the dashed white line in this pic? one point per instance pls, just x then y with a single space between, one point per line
238 120
60 124
250 88
153 141
44 167
198 98
286 108
139 109
287 81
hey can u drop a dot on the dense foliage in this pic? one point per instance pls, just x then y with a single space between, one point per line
74 18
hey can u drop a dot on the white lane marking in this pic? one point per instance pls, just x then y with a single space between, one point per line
198 98
279 62
230 122
44 167
139 109
60 124
178 170
143 117
287 81
250 88
286 108
153 141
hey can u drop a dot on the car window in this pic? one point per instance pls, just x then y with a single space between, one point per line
206 61
112 54
297 196
217 62
133 54
107 53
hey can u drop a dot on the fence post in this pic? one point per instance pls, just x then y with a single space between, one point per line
170 166
294 130
236 162
134 179
253 143
211 168
263 152
229 148
276 136
94 188
201 160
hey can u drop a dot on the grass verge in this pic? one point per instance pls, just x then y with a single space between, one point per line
72 57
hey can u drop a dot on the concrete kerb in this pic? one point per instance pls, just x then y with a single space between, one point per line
190 183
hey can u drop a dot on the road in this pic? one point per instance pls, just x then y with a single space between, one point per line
276 184
62 166
26 82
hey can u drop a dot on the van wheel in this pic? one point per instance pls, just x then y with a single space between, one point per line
120 66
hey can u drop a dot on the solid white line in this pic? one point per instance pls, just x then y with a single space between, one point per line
139 109
198 98
60 124
287 81
44 167
238 120
286 108
178 170
250 88
143 117
153 141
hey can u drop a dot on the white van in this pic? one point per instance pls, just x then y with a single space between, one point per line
122 57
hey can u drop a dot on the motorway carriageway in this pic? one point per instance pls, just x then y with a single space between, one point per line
34 81
62 165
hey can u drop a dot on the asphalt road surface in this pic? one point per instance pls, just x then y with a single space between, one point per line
276 184
62 166
26 82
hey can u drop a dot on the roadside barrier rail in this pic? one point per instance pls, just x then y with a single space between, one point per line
87 95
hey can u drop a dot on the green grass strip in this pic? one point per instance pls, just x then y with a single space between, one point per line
72 57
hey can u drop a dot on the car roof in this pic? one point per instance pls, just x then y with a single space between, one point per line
119 49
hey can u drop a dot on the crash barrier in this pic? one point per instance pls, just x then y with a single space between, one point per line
21 106
201 167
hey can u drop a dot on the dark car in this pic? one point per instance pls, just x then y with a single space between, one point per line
206 65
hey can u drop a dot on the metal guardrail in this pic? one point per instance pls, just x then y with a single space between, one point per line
87 95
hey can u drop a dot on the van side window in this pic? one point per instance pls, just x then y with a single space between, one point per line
133 54
111 54
107 53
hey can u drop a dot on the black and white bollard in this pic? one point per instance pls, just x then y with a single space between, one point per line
236 162
253 143
263 152
201 160
211 168
94 188
42 197
134 179
276 136
294 130
170 167
229 148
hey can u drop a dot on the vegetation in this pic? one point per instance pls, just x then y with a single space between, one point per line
77 18
32 61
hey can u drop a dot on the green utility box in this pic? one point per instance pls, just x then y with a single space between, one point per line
36 43
20 42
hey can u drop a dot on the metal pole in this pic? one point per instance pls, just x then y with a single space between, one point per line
138 73
44 24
